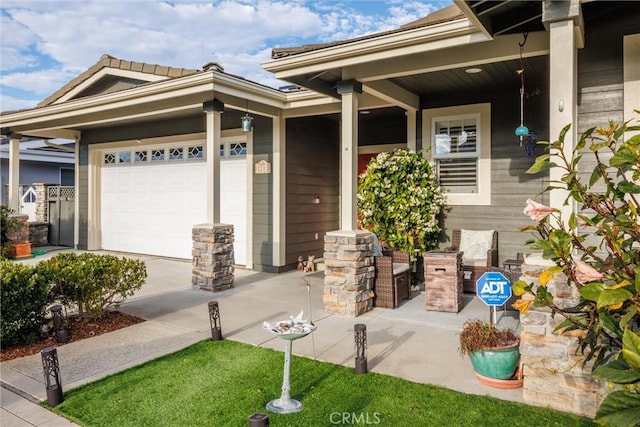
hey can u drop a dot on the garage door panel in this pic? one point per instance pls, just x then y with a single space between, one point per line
148 209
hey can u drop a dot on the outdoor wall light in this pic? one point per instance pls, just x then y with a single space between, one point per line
246 122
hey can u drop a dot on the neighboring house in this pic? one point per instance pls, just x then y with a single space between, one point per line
41 161
157 156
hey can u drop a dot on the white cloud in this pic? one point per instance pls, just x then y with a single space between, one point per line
9 103
58 40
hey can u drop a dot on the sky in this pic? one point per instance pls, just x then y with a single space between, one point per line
46 43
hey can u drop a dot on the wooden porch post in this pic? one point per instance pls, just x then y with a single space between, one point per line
213 110
349 89
14 172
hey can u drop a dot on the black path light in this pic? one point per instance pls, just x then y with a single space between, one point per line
360 336
52 376
259 420
214 320
62 336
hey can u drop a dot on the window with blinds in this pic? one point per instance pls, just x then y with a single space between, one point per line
455 152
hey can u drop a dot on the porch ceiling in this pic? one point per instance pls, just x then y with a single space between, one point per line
495 75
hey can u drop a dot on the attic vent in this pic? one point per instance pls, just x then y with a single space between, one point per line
213 66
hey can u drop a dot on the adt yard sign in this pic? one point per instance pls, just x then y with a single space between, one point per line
493 288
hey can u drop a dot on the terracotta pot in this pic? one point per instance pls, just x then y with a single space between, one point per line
20 250
499 362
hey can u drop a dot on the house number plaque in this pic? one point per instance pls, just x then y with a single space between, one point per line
262 167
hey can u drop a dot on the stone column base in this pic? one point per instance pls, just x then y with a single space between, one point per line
349 272
213 260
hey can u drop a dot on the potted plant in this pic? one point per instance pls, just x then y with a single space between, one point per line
494 353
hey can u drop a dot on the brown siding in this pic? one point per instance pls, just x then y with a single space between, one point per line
312 170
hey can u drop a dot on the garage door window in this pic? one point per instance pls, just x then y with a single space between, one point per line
154 155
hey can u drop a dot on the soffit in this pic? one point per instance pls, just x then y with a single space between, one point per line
506 16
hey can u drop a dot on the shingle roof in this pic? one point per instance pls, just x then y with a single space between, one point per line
108 61
447 14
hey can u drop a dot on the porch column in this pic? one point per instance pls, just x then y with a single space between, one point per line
411 129
213 110
349 89
563 20
14 172
279 191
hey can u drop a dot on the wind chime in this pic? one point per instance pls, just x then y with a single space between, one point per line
522 130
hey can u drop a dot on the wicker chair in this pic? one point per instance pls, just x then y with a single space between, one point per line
473 267
393 278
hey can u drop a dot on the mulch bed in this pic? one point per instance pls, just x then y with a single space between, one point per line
78 328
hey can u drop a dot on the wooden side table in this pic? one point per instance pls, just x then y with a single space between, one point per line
443 281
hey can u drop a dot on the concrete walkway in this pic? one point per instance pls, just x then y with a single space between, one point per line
408 342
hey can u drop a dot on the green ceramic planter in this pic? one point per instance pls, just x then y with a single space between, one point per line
499 363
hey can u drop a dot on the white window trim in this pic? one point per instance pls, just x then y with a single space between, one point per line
483 196
631 61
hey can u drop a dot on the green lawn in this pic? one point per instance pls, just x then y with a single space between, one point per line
221 383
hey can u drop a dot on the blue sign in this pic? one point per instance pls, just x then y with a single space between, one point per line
493 288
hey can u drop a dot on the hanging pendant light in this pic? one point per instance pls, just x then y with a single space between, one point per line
522 130
246 120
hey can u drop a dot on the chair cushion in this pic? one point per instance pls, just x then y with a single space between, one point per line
475 262
475 243
399 267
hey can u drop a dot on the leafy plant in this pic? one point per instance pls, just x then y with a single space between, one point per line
24 297
399 200
598 250
479 335
93 282
7 224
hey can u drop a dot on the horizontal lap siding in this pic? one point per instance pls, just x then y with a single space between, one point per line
511 186
262 195
600 83
312 170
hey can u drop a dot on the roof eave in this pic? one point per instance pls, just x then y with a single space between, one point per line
360 50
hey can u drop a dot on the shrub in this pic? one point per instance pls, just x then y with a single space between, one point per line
24 297
399 200
598 249
7 223
93 282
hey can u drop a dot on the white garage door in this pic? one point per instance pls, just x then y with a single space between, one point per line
151 199
233 195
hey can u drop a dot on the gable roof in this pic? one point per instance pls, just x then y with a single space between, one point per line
447 14
108 61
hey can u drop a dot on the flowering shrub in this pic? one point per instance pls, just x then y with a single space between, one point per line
399 200
599 251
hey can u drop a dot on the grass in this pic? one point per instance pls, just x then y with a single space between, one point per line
222 383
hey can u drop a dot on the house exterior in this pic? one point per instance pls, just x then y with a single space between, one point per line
160 149
40 163
454 75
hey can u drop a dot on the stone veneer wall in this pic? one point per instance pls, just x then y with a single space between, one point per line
39 233
349 272
213 260
553 371
42 201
